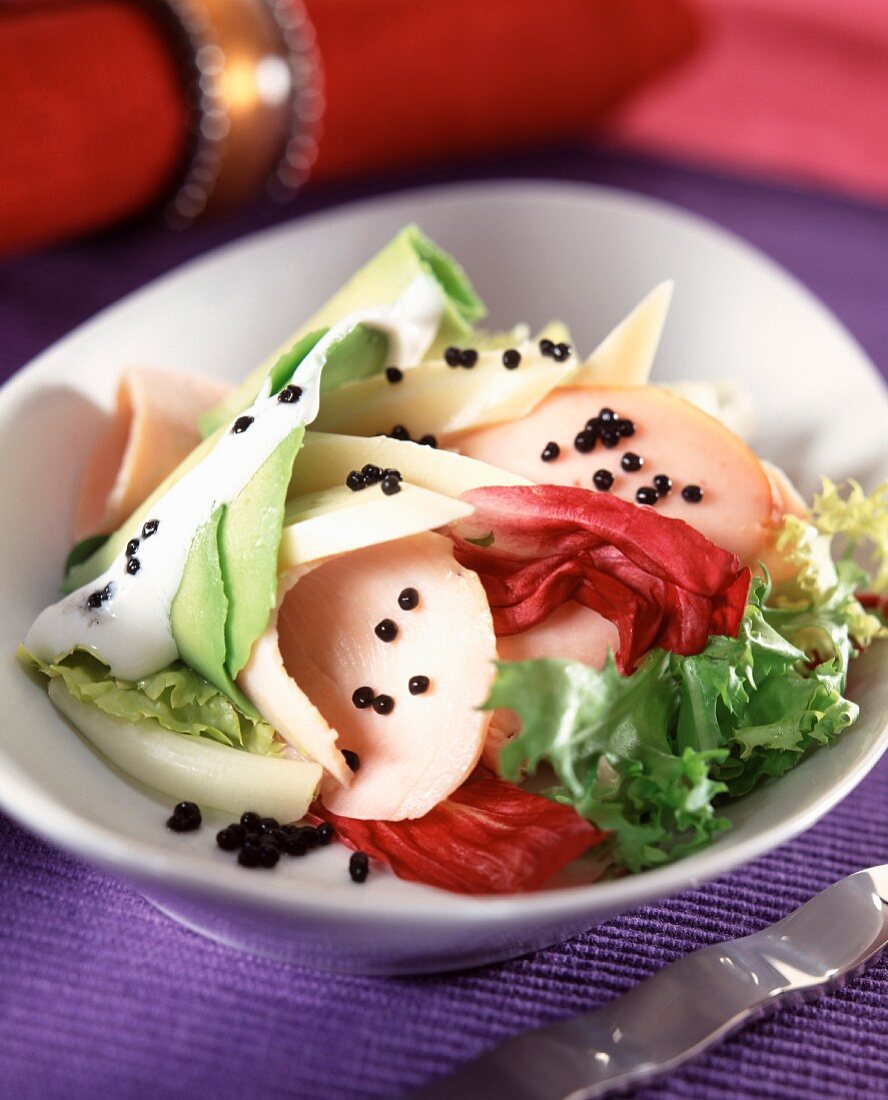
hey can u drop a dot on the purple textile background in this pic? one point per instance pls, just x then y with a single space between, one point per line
100 995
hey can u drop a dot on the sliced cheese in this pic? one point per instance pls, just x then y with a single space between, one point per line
434 398
337 520
325 460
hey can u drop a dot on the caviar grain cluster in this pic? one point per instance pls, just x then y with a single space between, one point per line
608 429
261 841
387 630
389 480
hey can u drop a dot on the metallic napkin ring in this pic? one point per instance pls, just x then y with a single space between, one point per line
255 88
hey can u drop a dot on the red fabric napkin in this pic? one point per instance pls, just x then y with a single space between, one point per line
790 88
93 125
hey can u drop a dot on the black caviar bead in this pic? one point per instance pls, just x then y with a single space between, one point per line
94 600
550 452
418 685
511 358
355 481
359 866
607 414
560 352
133 566
389 472
186 817
609 438
241 424
289 394
399 432
394 374
352 760
150 528
646 495
468 358
585 442
294 844
383 704
391 485
227 840
693 494
386 630
452 356
546 347
593 425
408 599
602 479
631 462
249 855
363 697
326 833
663 484
268 824
624 428
237 831
250 821
131 547
268 855
371 474
310 835
428 441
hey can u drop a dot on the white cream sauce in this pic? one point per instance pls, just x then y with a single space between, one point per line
130 630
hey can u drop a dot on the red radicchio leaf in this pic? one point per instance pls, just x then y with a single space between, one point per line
488 837
874 601
658 580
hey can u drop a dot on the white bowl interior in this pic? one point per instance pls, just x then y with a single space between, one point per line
583 254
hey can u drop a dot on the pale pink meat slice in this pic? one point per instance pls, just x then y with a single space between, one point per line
154 427
672 436
415 756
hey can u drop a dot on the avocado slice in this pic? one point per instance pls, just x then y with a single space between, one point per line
249 539
200 609
229 583
378 283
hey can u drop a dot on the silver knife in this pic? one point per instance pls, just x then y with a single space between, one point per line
688 1005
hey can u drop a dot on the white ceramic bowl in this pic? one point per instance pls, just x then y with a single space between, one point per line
535 251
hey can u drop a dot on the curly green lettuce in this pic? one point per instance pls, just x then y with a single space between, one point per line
649 757
861 518
177 697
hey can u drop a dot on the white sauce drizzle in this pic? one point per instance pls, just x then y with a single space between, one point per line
130 631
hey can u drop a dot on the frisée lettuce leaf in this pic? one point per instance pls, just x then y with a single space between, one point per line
177 697
650 756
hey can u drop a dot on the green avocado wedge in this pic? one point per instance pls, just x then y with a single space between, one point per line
229 584
249 540
199 611
383 279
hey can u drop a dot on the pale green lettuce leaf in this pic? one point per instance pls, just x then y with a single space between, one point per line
177 697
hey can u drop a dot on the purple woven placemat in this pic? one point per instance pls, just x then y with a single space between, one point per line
100 995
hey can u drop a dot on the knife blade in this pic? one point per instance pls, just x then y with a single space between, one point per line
688 1005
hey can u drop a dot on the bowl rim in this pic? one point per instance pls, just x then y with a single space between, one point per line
26 801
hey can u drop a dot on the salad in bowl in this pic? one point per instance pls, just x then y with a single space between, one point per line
470 603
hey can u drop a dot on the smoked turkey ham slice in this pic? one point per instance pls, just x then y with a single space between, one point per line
672 436
415 756
154 427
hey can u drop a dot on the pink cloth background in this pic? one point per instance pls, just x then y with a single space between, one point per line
790 88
